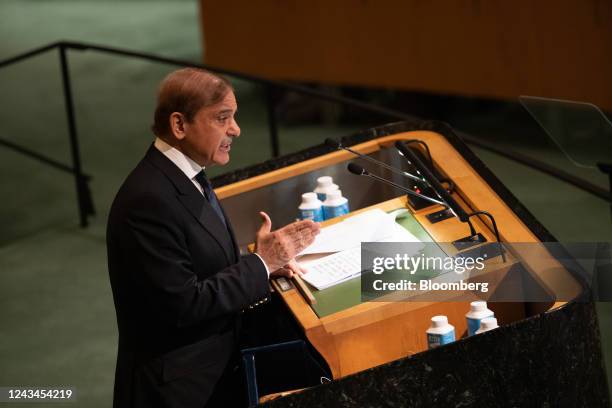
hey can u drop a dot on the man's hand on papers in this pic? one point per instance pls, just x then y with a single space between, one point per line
289 270
278 248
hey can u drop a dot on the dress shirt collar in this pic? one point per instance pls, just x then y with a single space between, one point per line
183 162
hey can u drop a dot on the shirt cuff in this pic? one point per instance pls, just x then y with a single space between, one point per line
264 264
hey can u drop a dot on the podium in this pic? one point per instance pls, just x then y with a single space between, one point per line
354 336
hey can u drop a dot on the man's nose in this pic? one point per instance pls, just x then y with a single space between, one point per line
234 129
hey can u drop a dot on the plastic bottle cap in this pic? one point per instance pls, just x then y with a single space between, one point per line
324 181
308 198
332 195
478 306
488 323
439 321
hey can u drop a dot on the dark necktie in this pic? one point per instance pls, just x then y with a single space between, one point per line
210 195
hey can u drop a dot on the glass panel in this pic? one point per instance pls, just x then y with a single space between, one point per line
581 130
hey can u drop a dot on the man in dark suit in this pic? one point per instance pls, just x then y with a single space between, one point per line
179 282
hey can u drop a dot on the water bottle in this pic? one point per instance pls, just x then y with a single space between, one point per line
478 311
325 184
486 324
440 332
311 208
335 205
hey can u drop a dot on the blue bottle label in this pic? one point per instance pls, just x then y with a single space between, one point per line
313 214
474 324
332 212
321 196
437 340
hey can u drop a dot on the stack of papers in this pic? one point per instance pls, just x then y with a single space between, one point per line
333 269
344 240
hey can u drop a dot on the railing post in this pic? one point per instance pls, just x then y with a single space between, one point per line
272 125
84 199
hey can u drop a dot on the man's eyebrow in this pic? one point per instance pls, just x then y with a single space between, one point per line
222 111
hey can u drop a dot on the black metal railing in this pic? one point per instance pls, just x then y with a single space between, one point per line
84 197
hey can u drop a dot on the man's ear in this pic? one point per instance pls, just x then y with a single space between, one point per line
177 125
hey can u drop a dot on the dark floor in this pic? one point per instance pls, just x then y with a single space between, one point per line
56 310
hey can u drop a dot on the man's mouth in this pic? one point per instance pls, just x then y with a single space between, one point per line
225 146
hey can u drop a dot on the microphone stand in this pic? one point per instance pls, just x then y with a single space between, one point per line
449 200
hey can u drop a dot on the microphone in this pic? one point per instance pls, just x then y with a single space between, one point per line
336 145
433 182
360 171
448 200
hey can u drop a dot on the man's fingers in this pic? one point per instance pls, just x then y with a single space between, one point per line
296 230
284 271
295 267
296 242
303 238
266 225
309 225
301 226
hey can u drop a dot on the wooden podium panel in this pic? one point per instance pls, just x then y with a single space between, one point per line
497 48
368 334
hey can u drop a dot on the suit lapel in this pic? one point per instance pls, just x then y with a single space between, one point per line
194 202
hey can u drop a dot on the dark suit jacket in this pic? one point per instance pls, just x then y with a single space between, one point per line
179 285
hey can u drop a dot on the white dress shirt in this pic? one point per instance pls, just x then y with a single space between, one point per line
190 168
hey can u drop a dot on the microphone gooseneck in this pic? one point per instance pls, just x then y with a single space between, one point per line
360 171
337 145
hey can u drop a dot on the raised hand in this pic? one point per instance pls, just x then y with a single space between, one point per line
279 247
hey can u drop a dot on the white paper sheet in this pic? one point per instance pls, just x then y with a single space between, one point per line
371 226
